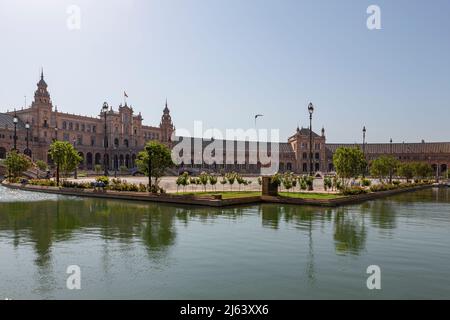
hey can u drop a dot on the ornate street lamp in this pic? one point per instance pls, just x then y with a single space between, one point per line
149 151
15 121
390 169
105 108
75 174
28 151
364 140
311 111
364 149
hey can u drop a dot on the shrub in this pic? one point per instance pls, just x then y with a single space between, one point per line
354 191
42 182
396 182
366 182
71 184
103 179
383 187
327 183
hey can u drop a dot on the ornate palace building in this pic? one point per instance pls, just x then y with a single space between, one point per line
126 136
294 155
125 133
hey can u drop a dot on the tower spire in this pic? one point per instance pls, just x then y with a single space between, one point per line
42 73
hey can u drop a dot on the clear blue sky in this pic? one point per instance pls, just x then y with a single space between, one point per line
222 61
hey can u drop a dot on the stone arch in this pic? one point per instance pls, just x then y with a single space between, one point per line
330 167
89 160
289 166
116 162
121 160
2 153
126 143
444 168
106 160
127 161
133 160
98 158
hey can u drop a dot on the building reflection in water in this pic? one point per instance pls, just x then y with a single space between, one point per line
44 222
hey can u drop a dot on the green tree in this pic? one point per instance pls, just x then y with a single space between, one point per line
17 163
422 170
383 167
349 163
213 181
158 158
65 157
231 177
406 170
204 179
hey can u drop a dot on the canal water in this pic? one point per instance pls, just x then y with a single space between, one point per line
137 250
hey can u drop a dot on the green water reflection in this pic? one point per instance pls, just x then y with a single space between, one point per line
156 228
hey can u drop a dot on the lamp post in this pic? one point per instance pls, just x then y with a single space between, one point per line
27 151
56 134
390 168
149 151
310 110
105 141
115 163
364 149
15 120
75 174
364 140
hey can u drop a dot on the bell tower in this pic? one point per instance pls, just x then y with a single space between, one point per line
41 95
166 125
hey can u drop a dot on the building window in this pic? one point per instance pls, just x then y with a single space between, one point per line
64 125
305 155
77 127
66 137
83 127
70 126
94 129
305 167
125 142
92 141
80 140
317 156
